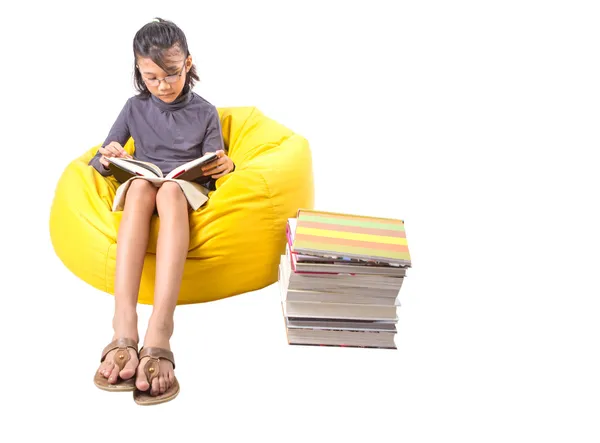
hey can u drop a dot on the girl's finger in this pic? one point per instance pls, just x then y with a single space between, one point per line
223 171
211 168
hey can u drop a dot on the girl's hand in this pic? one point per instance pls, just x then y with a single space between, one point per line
113 149
223 165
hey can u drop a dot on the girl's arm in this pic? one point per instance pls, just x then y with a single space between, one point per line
118 133
213 142
213 138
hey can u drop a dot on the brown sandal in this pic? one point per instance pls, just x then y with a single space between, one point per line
152 370
121 358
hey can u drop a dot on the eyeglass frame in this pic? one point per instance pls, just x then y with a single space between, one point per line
174 78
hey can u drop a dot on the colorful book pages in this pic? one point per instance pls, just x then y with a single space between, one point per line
356 236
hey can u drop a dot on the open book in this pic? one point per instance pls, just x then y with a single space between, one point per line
125 170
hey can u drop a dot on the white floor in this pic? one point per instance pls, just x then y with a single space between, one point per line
476 122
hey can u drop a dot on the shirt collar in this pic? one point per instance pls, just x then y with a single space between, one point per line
183 99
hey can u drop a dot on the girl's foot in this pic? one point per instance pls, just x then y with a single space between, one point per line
125 326
157 336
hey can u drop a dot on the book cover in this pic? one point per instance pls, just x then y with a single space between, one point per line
311 264
357 236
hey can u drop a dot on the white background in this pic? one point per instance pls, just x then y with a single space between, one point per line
475 122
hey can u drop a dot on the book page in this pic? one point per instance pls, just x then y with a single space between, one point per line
192 170
136 167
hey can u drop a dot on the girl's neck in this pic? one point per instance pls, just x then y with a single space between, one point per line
182 100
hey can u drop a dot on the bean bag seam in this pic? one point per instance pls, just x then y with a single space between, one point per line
241 130
270 198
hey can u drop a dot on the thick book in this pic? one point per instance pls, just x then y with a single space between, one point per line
329 234
351 339
362 285
336 297
125 170
339 311
330 267
340 325
342 265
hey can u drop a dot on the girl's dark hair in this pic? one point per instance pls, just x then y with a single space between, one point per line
151 41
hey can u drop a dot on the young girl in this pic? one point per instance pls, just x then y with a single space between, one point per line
170 125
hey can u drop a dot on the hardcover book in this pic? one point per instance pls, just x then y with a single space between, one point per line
328 234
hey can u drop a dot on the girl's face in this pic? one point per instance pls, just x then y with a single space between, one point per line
165 85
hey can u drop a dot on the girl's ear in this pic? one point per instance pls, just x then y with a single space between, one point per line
188 63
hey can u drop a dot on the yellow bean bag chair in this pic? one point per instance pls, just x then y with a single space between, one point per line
236 238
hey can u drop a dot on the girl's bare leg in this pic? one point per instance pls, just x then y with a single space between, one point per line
171 252
132 242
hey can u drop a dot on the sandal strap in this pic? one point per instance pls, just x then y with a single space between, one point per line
121 343
152 367
157 353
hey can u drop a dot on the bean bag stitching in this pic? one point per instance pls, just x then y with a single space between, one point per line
270 198
243 127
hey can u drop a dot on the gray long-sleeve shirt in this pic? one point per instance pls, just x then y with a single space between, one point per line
167 134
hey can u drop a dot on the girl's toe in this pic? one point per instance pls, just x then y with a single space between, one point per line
113 375
141 381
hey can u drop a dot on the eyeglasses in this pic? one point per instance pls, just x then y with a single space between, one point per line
169 79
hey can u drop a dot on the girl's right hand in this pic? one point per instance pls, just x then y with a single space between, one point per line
113 149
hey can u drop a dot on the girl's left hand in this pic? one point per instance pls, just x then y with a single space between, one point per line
223 165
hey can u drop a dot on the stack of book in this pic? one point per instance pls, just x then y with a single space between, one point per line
340 278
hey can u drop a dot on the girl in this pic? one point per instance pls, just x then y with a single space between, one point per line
170 125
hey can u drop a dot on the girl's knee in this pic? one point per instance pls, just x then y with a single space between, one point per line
141 186
170 195
142 192
170 191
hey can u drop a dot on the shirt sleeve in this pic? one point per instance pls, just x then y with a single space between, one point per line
213 138
118 133
212 142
